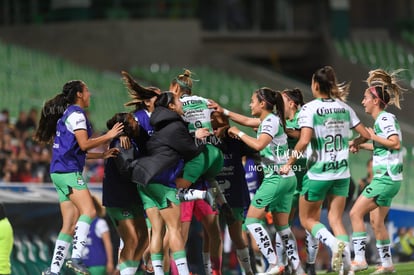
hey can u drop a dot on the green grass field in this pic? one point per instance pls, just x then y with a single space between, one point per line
401 268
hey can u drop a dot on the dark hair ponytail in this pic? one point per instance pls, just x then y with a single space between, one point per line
295 95
54 108
70 89
164 99
272 98
122 118
328 84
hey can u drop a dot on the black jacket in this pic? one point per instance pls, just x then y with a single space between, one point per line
169 143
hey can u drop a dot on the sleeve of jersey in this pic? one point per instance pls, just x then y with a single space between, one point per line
101 227
387 125
270 126
207 102
354 118
76 121
305 117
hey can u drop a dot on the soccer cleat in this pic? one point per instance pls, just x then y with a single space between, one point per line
342 272
288 270
149 270
298 271
383 270
274 269
359 266
310 269
346 270
78 266
337 251
48 271
259 263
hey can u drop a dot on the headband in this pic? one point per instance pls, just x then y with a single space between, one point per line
373 91
182 84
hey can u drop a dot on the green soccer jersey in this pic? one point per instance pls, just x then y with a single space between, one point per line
276 153
331 121
385 160
292 124
300 165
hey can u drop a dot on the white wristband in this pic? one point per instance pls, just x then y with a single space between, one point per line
240 134
226 112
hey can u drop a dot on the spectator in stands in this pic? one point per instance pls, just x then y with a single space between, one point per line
10 170
40 157
32 118
383 90
24 171
63 122
97 254
6 242
326 124
22 159
5 116
21 125
404 244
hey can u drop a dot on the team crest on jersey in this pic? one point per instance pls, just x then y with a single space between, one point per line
80 181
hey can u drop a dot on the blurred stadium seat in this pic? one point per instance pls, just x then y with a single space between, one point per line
378 54
28 78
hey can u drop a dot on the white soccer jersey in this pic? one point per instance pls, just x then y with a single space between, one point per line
196 112
276 153
331 121
386 160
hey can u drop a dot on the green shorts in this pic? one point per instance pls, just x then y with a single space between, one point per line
65 182
300 172
238 213
158 195
208 164
117 214
317 190
276 193
96 270
295 199
382 190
